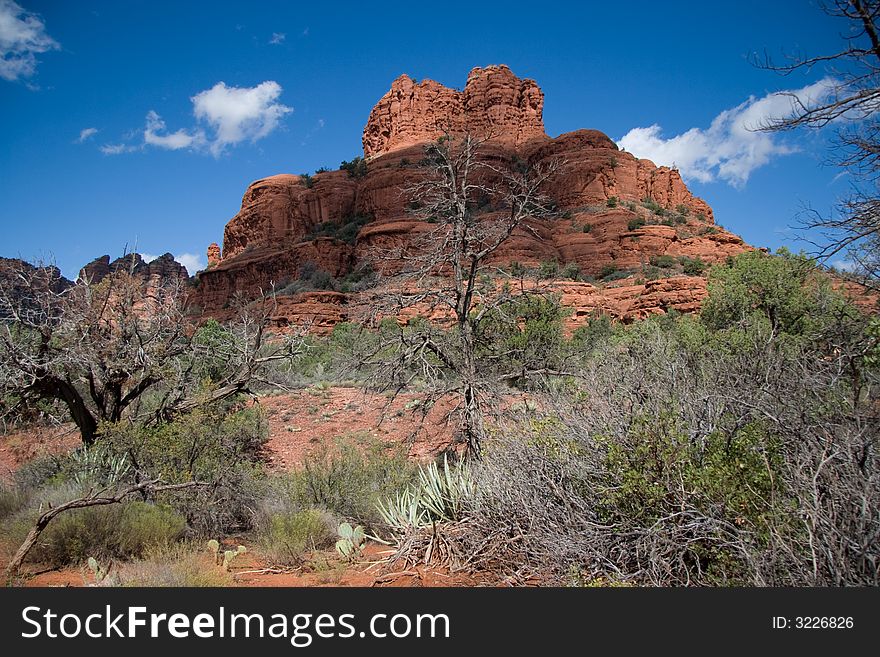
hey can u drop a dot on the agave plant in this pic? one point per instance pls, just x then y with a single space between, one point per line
438 496
96 465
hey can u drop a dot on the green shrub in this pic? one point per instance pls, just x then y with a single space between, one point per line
657 470
682 209
664 261
11 500
586 228
597 331
571 271
345 230
345 479
118 531
612 202
548 269
784 294
517 269
307 180
693 266
653 206
222 444
635 223
356 168
39 472
287 536
607 271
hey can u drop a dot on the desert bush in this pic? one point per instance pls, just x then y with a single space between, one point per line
612 202
345 229
181 565
548 269
571 271
11 500
635 224
521 336
356 168
347 479
664 261
693 266
220 444
736 448
39 471
286 536
120 531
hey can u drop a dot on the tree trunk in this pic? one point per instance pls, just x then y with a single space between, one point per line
79 412
473 415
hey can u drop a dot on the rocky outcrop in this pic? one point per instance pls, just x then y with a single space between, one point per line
214 254
495 104
284 209
616 212
163 268
21 282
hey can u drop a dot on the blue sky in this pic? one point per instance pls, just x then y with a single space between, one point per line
142 123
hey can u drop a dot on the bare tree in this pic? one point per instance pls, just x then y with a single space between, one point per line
472 204
850 102
99 348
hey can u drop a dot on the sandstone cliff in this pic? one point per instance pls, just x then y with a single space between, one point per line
616 212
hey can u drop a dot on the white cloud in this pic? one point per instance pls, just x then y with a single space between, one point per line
172 141
22 36
238 114
191 261
86 134
277 38
730 149
117 149
230 115
845 265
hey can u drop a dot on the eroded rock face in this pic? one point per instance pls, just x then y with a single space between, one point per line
214 254
284 209
615 210
494 104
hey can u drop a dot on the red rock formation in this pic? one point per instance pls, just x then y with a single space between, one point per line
163 268
214 255
282 209
494 104
603 195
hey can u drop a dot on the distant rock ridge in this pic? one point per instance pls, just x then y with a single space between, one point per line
164 267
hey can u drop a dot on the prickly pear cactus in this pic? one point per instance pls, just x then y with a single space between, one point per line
351 540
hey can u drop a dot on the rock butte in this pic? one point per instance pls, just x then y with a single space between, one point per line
271 237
